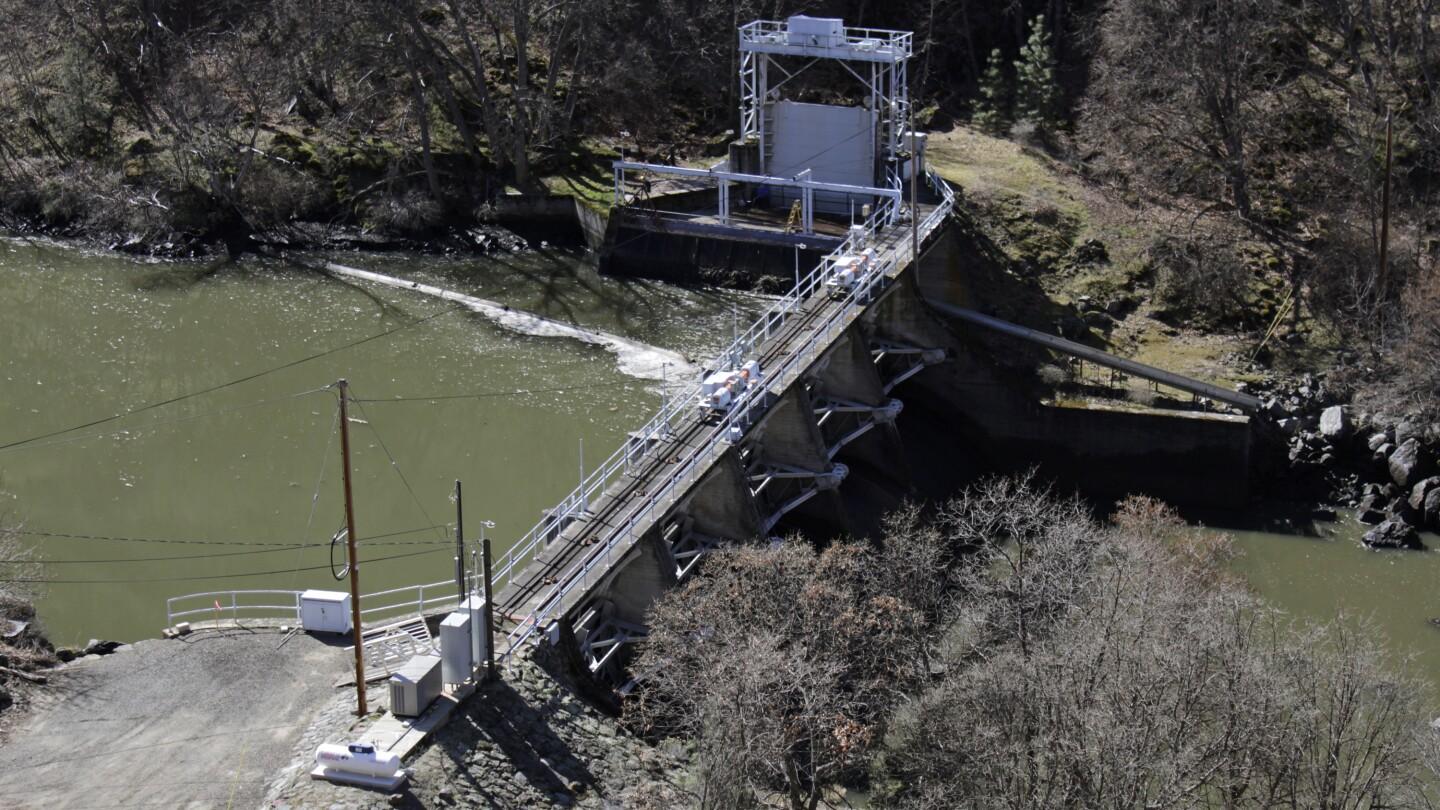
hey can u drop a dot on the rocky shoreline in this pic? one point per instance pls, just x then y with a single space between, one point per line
1379 465
475 237
526 740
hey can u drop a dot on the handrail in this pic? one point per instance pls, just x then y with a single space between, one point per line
213 606
741 414
671 416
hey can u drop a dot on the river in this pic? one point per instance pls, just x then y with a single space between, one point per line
90 335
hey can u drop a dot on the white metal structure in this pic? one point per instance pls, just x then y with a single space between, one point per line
325 611
806 188
881 57
457 647
416 686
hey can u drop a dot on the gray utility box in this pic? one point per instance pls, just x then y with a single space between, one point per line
415 686
325 611
475 607
455 646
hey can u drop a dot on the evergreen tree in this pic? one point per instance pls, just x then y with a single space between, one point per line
992 109
1037 90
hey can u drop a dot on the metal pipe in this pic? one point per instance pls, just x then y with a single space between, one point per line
1204 389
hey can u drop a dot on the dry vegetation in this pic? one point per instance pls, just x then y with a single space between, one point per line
23 648
1014 652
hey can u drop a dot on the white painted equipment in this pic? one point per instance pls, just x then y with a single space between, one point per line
358 764
721 390
456 647
816 32
475 606
325 611
848 271
415 686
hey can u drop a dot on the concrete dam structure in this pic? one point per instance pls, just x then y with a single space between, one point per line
852 394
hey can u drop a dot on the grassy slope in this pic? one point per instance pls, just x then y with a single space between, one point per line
1038 212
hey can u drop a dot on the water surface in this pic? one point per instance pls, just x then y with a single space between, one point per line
88 335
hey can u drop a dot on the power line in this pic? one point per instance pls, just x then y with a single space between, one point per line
394 465
44 581
490 394
174 420
224 385
43 561
186 541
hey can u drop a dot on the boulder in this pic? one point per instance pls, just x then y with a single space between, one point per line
1409 429
1392 534
1421 489
1430 510
1381 455
1407 463
1335 423
1376 441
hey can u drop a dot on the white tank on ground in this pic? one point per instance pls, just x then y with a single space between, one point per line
359 758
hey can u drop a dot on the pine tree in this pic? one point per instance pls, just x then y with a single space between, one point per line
1037 90
992 109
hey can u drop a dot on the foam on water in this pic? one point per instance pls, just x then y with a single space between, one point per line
633 358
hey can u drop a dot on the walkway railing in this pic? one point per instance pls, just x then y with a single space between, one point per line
740 416
234 606
677 411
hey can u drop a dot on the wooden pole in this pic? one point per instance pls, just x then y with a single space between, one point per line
1385 213
360 708
459 543
490 672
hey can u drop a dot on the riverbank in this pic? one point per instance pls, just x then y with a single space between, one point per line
203 720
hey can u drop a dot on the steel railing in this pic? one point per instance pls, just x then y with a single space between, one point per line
879 40
677 411
220 605
740 416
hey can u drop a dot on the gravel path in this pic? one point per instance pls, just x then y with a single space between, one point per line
203 721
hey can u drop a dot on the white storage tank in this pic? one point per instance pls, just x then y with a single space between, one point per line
457 647
325 611
415 686
358 764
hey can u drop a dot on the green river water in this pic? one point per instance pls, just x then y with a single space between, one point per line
85 335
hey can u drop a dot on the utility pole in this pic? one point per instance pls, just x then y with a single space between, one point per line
490 672
1385 214
360 708
459 542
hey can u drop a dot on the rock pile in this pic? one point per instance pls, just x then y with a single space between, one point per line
526 741
1384 467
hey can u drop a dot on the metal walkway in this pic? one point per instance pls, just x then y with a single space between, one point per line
551 570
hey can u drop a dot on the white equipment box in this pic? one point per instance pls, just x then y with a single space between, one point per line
475 606
325 611
415 686
818 32
456 647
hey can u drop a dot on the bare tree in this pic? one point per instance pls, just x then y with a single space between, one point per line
1184 86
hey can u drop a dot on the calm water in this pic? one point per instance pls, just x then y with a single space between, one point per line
84 336
1327 576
